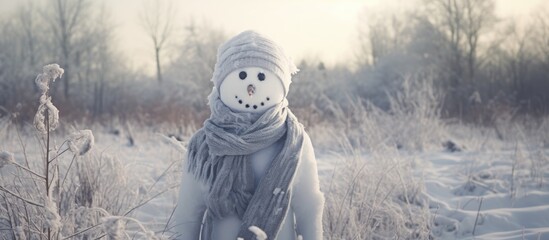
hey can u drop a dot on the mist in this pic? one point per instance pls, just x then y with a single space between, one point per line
429 118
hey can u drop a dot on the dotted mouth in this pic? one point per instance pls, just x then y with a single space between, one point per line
247 105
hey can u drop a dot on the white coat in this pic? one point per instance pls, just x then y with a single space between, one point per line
305 211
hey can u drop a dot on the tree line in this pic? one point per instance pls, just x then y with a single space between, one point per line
483 65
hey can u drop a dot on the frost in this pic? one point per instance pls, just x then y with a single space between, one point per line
52 112
259 234
150 235
51 212
81 142
6 158
49 72
53 220
19 233
114 227
175 143
277 211
46 108
293 68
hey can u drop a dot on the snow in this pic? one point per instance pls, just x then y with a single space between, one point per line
46 108
259 234
237 93
457 183
19 233
53 220
114 227
81 142
509 178
49 72
6 158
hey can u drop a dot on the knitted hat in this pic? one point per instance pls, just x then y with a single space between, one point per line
251 49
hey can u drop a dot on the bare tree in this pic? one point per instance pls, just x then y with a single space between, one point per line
542 35
22 48
462 22
157 19
542 42
67 21
379 37
27 18
447 16
479 15
105 60
194 63
77 34
517 46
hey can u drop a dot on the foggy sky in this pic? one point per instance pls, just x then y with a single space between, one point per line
324 29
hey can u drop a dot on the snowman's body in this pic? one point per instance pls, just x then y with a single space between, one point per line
304 213
252 89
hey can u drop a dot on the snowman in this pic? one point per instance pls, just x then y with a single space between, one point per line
252 165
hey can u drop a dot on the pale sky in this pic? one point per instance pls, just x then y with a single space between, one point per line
324 29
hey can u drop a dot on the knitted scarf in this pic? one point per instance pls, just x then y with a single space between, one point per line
218 155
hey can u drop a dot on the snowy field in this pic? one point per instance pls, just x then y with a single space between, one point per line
408 186
399 174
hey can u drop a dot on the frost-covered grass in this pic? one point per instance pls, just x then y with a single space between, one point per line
374 196
382 193
53 189
100 196
367 159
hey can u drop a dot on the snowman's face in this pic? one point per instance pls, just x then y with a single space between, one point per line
251 89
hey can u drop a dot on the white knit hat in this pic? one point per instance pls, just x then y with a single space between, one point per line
251 49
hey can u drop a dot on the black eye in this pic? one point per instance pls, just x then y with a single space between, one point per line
242 75
261 76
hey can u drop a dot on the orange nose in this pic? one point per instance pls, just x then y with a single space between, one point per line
251 89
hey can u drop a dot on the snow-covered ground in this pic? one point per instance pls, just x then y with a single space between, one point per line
492 189
495 195
511 183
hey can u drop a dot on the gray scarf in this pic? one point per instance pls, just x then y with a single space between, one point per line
218 155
